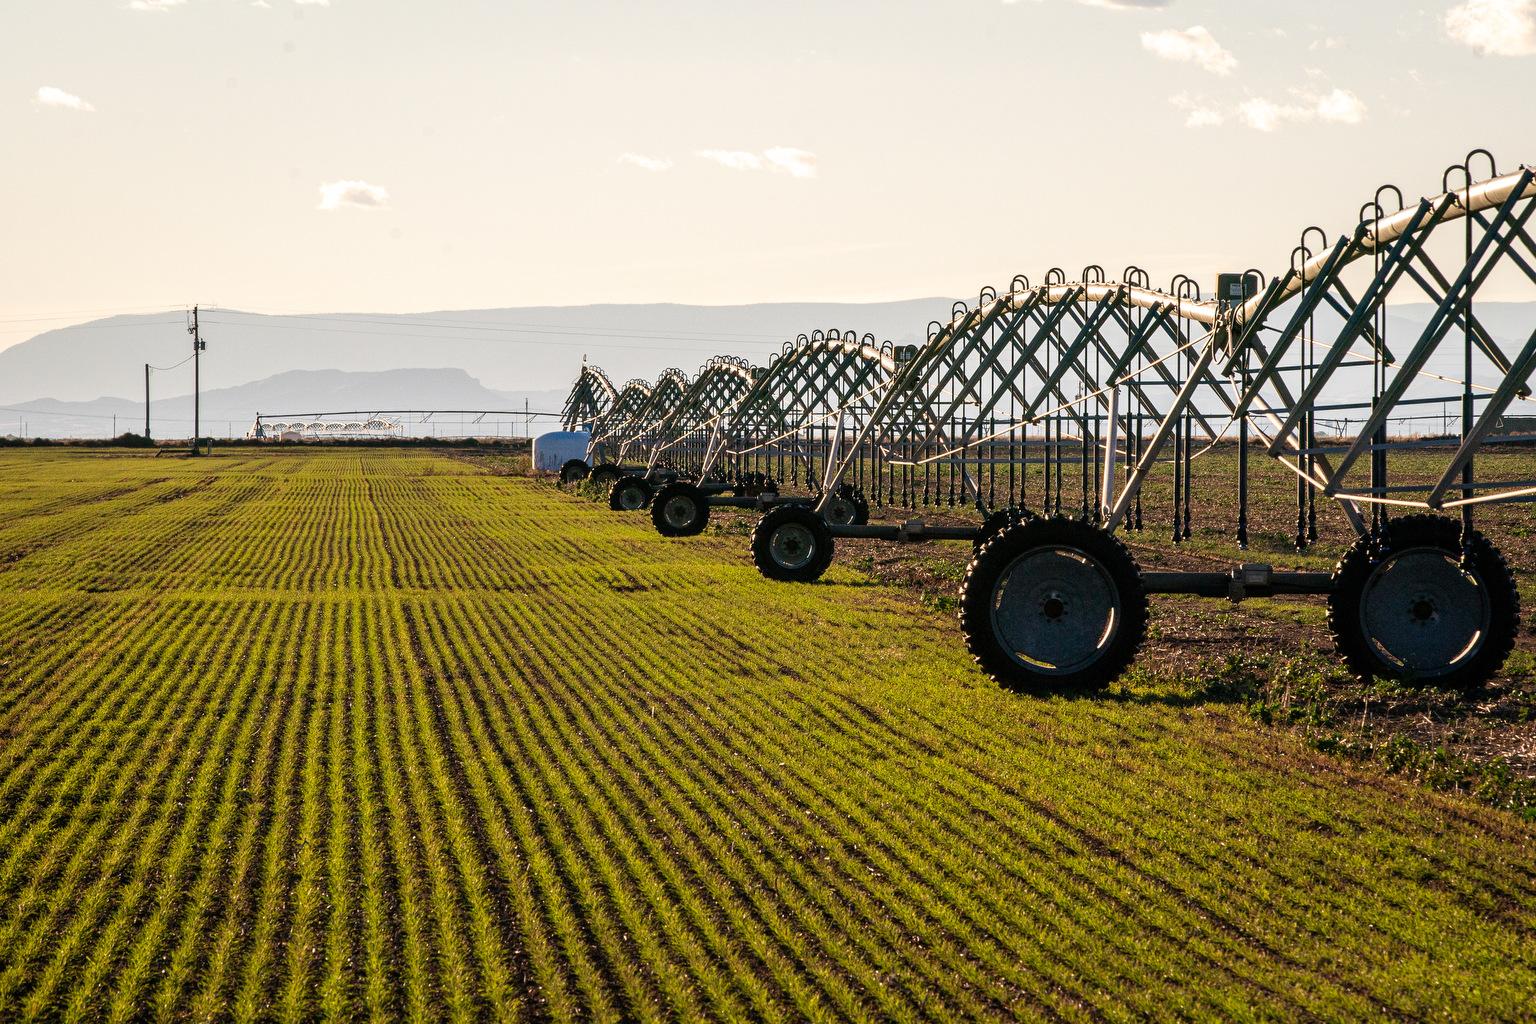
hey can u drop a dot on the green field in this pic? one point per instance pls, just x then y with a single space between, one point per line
340 734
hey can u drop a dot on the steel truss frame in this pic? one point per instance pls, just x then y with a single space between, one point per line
1074 372
1065 396
686 441
591 397
791 426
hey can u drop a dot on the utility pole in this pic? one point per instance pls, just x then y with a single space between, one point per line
146 401
198 344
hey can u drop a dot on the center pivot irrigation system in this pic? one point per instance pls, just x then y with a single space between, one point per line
1046 408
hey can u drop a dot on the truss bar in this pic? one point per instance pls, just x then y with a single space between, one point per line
1160 437
1497 403
1439 324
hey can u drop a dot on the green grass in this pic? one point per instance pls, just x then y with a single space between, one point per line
298 735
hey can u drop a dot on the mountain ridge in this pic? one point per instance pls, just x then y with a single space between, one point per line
530 348
230 411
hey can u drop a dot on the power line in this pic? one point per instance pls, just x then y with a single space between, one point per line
84 415
515 326
514 341
173 366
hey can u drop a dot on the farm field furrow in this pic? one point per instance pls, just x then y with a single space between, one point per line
341 734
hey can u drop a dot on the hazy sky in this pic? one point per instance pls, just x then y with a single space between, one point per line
405 155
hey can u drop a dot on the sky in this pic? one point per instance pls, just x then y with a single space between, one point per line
405 155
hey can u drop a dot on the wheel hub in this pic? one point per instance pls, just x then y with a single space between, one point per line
631 498
1421 612
792 546
1055 610
679 511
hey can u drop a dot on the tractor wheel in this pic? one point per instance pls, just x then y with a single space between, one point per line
753 484
574 471
630 494
792 544
997 521
606 475
1409 605
843 510
680 510
1053 606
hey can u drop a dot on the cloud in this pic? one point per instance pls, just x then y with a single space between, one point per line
48 96
1326 43
735 159
646 163
1504 28
1198 112
1266 116
313 3
1340 106
797 163
1194 45
1120 5
336 194
154 5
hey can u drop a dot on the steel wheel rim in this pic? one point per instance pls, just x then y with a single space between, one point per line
1055 610
840 511
1421 613
679 511
631 498
793 546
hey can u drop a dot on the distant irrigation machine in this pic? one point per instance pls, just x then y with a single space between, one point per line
1047 407
735 432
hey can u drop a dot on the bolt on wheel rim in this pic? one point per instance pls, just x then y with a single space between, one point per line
792 546
679 511
1422 613
1055 610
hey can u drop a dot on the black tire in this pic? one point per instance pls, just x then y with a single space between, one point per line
1080 583
574 471
606 475
997 521
680 510
792 544
630 494
1406 605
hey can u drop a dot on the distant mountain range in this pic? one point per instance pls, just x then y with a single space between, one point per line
484 359
296 393
529 349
